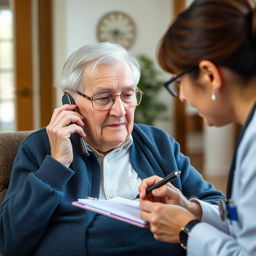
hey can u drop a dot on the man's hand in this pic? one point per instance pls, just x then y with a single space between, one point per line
64 122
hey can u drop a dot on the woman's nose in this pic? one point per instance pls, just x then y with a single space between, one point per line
181 95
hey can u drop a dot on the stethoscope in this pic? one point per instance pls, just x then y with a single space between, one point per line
227 208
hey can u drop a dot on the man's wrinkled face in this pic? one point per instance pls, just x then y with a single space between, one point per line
106 130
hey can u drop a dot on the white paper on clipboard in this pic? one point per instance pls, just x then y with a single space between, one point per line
119 208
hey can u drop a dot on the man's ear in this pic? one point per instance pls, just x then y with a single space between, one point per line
211 74
69 91
66 90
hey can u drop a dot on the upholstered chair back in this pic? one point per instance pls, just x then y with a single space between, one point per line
9 144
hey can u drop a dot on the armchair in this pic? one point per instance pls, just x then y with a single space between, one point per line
9 144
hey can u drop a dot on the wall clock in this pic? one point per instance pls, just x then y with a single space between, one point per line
117 27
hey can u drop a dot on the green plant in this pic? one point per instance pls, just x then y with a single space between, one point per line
151 108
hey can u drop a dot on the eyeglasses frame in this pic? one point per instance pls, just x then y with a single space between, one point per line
174 78
113 98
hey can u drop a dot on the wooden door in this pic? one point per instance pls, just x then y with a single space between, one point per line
22 13
37 13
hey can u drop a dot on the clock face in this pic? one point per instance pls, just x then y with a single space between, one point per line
117 27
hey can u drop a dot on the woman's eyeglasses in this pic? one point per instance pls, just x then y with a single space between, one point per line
173 84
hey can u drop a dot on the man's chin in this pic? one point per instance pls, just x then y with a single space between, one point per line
111 146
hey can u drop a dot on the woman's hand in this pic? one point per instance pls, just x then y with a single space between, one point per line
165 220
168 194
64 122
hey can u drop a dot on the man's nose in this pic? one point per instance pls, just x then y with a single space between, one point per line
118 107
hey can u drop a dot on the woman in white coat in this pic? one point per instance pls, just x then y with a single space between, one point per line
211 50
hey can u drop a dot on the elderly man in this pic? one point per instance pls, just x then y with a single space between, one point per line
52 169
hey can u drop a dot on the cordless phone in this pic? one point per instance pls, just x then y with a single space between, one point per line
67 99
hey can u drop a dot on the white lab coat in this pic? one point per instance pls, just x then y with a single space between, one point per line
215 237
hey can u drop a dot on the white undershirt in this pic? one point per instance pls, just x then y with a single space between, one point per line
117 177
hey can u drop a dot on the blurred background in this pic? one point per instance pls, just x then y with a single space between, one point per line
37 36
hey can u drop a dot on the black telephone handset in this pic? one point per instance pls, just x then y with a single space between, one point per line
67 99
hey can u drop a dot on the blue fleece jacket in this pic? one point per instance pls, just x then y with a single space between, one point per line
37 217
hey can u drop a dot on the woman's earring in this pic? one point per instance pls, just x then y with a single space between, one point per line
213 97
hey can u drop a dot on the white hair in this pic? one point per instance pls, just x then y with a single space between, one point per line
95 54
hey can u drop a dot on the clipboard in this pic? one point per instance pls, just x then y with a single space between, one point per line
119 208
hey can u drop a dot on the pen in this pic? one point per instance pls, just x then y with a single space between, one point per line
170 177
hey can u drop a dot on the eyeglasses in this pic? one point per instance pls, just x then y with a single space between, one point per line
172 85
104 101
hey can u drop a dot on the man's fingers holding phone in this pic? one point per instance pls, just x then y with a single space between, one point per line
65 115
63 124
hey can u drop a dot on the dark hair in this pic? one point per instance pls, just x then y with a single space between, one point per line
222 31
